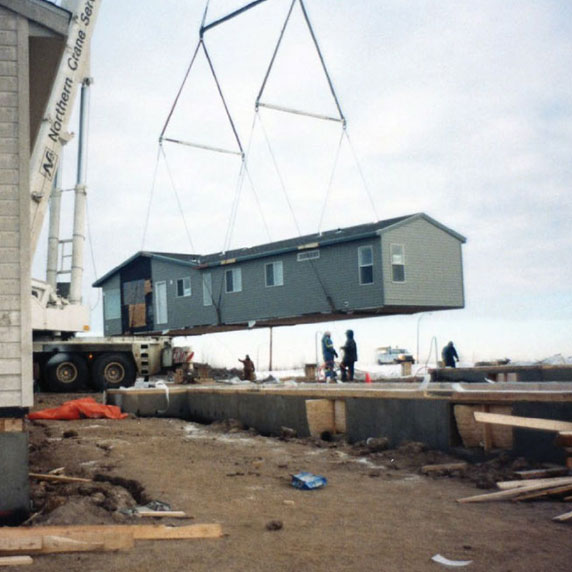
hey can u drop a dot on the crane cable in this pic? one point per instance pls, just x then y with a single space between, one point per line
151 192
285 192
177 197
330 182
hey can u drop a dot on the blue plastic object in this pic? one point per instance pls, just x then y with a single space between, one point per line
308 481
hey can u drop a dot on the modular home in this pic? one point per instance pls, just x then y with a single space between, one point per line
402 265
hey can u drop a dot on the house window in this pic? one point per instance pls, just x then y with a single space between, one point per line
397 263
307 255
207 289
183 287
274 274
365 262
233 280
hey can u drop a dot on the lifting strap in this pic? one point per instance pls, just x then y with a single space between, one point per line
258 103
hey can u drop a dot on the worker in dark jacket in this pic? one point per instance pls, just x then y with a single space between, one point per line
248 368
449 355
329 353
350 357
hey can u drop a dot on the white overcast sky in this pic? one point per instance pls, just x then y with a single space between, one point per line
461 110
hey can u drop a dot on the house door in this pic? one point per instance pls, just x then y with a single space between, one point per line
161 302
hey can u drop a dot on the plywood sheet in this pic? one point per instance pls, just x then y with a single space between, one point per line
320 416
473 433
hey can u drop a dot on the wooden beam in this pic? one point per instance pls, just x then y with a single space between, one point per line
58 478
554 481
544 493
542 473
162 513
444 467
487 432
507 494
564 439
11 425
16 560
139 531
35 542
525 422
563 517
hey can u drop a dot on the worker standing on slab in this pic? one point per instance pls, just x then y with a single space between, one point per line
350 357
449 355
329 353
248 366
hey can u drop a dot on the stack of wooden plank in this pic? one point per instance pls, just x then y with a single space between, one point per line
539 487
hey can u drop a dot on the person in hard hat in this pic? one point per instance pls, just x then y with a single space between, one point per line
350 357
248 368
329 353
449 355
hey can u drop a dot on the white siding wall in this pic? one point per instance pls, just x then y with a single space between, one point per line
16 384
433 266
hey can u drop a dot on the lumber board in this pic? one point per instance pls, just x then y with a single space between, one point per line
16 560
524 422
564 439
139 531
55 544
162 513
563 517
58 478
444 467
542 473
543 493
11 425
21 544
75 541
506 494
554 481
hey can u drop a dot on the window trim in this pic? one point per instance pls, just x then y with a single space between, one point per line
396 264
183 295
360 265
274 264
234 272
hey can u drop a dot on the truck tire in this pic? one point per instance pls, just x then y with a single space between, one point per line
66 372
112 370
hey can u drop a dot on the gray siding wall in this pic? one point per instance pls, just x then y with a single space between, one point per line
15 322
302 293
433 266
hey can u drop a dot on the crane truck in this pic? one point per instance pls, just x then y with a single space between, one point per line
64 361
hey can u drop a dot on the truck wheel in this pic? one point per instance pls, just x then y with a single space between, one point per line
111 371
66 372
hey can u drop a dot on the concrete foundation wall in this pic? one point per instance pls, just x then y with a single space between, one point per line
540 445
429 421
14 482
267 414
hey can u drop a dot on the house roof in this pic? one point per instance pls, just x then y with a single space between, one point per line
45 13
306 242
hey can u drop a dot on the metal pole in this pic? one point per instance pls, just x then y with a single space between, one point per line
78 240
54 231
418 322
270 357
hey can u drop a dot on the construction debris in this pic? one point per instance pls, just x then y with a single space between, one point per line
87 538
518 490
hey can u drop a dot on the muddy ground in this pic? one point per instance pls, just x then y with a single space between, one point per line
377 512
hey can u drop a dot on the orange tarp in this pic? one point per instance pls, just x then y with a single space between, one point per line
80 409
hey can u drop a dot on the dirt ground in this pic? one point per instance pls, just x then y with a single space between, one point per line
377 512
